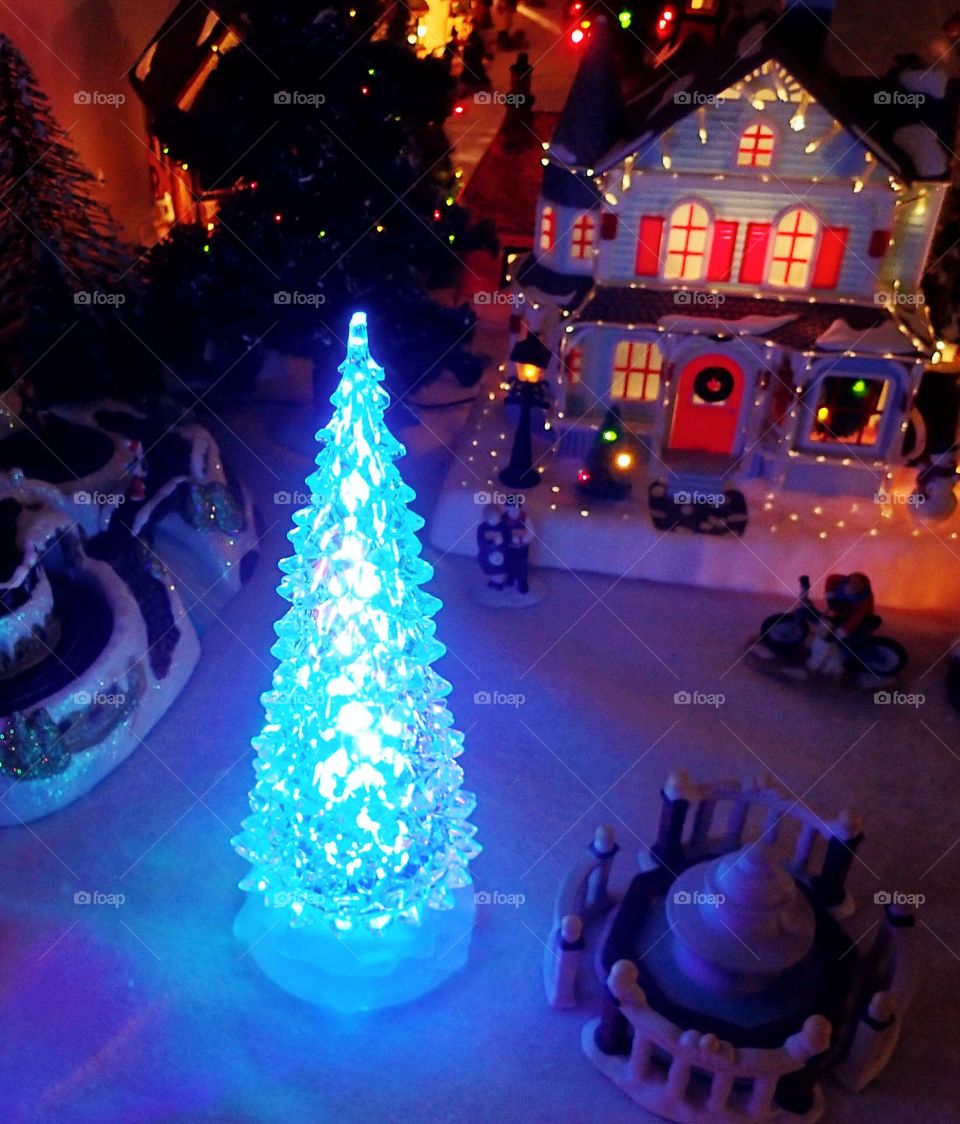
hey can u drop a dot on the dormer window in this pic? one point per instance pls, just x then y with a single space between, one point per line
548 222
794 245
584 237
756 147
687 243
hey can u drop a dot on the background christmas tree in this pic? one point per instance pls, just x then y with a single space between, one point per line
338 190
606 467
65 268
358 819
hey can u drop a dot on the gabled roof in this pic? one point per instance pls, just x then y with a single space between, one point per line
179 50
710 69
591 117
570 288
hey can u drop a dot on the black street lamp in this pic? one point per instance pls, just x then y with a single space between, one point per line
528 390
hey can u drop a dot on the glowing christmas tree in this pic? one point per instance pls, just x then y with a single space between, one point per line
358 837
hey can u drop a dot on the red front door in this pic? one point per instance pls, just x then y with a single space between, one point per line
706 412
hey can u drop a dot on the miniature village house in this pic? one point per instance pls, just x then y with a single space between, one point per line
733 259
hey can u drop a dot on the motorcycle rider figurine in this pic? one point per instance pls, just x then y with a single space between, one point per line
850 610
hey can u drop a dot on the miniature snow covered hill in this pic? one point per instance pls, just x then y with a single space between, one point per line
96 645
167 482
911 561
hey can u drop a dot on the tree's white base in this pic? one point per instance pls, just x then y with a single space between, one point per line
358 970
507 598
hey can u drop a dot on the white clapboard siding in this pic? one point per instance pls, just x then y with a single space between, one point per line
657 193
838 157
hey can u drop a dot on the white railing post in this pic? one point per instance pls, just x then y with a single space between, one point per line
604 847
761 1095
873 1043
720 1088
678 1077
562 963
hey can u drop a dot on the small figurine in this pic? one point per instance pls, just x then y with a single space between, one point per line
935 496
850 610
504 537
491 538
838 643
518 536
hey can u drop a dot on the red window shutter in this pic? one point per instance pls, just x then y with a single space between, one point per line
648 245
608 226
721 252
879 241
826 272
755 253
573 365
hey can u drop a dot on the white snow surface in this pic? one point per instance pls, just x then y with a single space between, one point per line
150 1012
911 560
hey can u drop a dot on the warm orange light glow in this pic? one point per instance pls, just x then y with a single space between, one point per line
528 372
623 460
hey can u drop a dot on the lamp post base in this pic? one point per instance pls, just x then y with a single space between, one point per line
525 480
358 970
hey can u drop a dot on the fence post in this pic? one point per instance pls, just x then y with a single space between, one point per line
830 885
563 962
668 849
604 847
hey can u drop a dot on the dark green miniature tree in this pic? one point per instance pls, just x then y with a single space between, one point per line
63 287
606 468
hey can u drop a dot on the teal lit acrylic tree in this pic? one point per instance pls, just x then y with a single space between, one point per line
358 836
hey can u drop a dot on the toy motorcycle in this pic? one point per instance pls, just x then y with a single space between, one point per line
801 645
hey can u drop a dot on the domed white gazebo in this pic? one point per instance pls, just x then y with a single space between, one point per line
731 985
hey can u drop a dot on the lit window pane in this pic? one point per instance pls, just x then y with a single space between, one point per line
756 147
687 243
636 372
849 410
793 249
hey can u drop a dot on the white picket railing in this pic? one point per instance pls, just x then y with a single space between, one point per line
697 1078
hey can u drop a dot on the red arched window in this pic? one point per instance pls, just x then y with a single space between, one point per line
756 147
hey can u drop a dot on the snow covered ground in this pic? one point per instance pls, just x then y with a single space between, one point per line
912 561
148 1011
